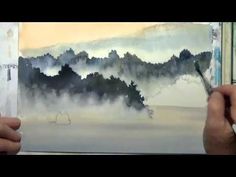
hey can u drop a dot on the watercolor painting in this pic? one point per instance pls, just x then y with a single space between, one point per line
114 87
8 68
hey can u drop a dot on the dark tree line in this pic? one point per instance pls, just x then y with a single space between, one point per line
69 81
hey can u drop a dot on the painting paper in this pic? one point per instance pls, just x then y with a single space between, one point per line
8 68
115 87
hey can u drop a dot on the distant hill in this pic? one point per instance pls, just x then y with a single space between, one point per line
129 65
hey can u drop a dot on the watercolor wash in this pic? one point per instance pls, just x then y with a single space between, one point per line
115 87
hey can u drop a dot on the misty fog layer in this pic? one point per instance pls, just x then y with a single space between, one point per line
65 108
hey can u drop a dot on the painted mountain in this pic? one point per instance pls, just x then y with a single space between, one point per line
106 78
128 66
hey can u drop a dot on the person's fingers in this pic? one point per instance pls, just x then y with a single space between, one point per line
216 108
8 133
9 147
14 123
229 91
208 98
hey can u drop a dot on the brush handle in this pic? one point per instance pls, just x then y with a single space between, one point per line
207 85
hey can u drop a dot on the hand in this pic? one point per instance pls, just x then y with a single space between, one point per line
218 135
9 137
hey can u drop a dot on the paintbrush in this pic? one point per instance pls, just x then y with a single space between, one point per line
205 82
209 90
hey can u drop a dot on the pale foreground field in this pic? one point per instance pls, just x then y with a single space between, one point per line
172 130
